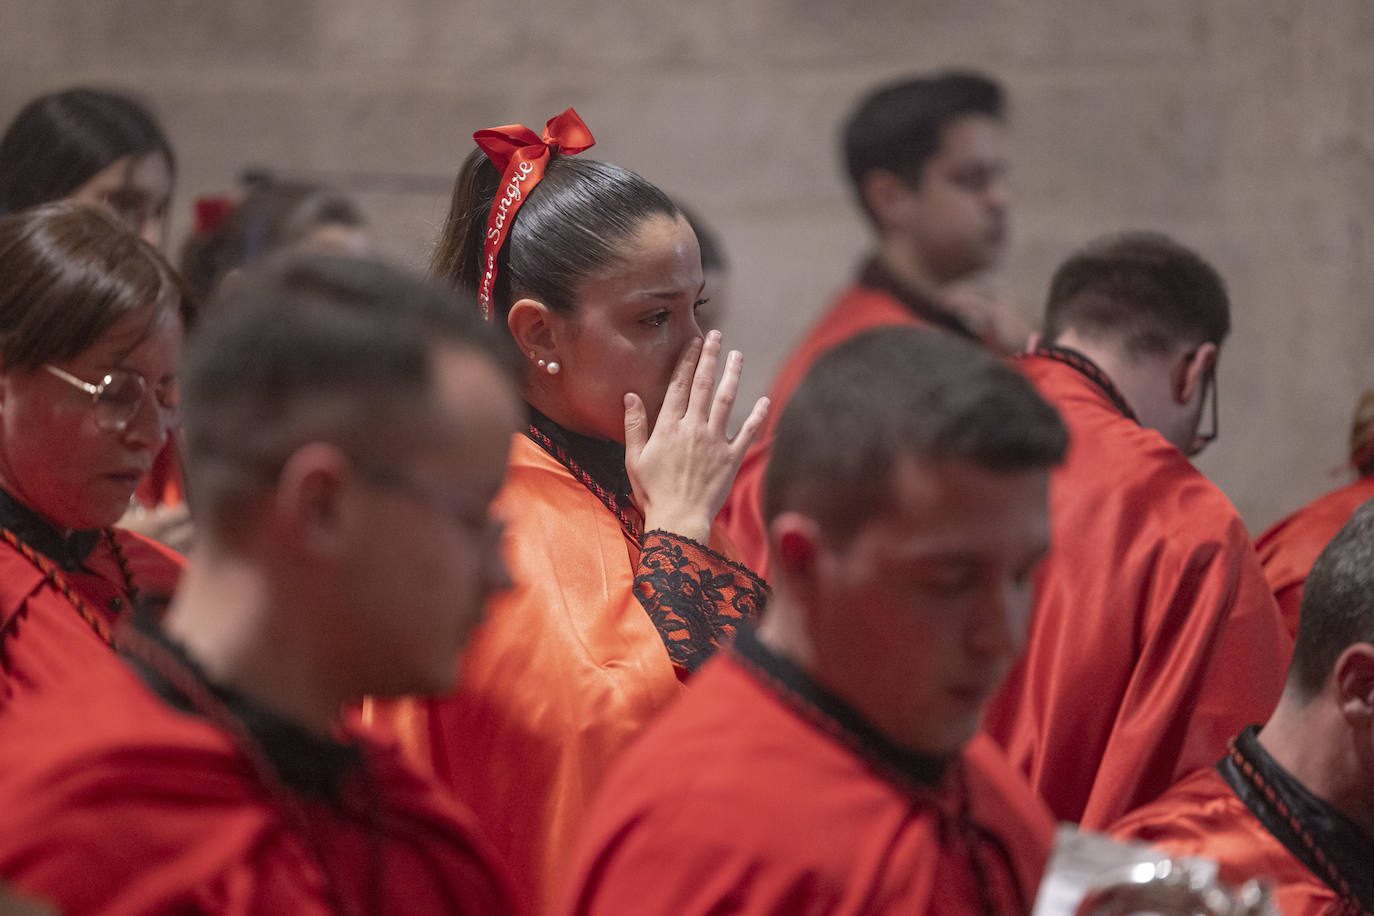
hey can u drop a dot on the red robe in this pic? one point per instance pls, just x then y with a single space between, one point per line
43 639
1154 636
1289 549
760 793
859 309
1202 816
566 669
114 802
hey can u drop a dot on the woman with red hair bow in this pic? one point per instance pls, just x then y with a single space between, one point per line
621 587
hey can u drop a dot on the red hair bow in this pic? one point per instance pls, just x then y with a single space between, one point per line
522 156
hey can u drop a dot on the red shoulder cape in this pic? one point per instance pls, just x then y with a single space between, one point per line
1291 546
112 802
1154 637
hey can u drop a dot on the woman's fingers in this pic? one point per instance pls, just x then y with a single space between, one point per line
750 430
636 426
724 401
704 379
679 391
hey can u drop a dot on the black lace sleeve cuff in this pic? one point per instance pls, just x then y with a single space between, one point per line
694 596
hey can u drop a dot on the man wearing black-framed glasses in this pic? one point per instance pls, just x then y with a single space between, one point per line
1154 635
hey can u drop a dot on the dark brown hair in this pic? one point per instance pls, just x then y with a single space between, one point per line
68 273
60 141
1141 288
571 226
896 393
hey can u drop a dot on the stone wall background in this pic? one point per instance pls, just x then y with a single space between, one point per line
1243 127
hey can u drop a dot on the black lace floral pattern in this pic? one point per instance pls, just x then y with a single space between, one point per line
695 597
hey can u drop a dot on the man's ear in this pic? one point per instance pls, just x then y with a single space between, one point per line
795 543
887 195
531 324
311 504
1353 675
1190 372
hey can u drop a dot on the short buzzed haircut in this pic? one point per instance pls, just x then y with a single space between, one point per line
1337 603
315 348
899 126
1142 289
896 393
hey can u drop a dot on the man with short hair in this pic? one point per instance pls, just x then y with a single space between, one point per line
347 429
824 762
1293 801
1154 636
927 163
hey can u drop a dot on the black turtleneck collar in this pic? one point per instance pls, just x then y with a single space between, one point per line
602 459
67 550
1089 370
836 717
875 275
316 767
1288 809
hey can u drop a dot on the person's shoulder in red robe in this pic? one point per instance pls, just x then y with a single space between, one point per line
1290 547
1154 636
872 302
44 637
570 663
1203 817
112 801
759 792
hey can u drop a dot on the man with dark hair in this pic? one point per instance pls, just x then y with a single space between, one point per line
828 761
1293 801
926 160
347 427
1290 547
1154 636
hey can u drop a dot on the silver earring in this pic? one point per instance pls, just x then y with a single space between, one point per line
541 364
553 368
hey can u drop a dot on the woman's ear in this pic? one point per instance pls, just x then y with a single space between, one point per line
531 324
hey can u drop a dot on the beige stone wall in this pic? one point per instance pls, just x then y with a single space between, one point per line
1243 127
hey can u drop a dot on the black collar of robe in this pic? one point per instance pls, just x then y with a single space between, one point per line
67 549
783 677
1348 849
316 767
874 275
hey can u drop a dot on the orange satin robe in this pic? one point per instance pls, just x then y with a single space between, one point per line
1202 816
738 801
566 669
1154 637
858 310
1291 546
113 802
43 640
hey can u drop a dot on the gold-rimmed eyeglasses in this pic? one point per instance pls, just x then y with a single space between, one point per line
117 397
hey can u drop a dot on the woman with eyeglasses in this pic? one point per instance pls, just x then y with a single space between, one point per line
91 321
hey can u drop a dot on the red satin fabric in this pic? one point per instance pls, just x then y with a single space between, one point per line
733 803
111 802
43 641
857 310
565 671
522 157
1154 637
1201 816
1291 546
